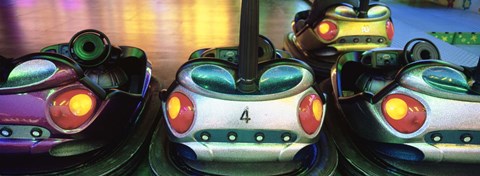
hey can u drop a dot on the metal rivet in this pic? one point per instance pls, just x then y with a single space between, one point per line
369 40
286 137
36 132
356 40
6 132
259 137
466 138
342 41
232 136
381 40
205 136
436 137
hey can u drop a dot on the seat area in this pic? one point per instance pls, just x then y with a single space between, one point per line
373 83
357 78
109 77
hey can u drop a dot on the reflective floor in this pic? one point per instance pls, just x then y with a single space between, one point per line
168 30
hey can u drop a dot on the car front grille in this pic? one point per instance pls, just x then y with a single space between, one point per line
362 39
23 132
246 136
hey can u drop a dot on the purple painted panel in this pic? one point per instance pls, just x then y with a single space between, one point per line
10 146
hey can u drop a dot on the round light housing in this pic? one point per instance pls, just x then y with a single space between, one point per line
404 113
327 30
390 30
310 113
180 112
71 109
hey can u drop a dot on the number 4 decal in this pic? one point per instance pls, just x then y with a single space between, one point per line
245 115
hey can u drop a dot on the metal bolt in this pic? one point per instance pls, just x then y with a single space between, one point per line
467 138
286 137
205 136
36 132
259 137
436 137
232 136
6 132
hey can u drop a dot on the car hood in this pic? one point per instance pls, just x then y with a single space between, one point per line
36 72
216 78
346 13
434 78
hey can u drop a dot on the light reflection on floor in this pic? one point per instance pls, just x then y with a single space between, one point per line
168 30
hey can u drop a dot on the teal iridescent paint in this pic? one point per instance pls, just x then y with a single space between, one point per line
279 79
377 11
214 78
275 80
446 79
30 73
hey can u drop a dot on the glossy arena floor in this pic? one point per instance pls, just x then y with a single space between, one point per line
169 30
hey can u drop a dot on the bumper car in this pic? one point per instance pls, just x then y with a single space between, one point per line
243 109
332 27
406 112
70 110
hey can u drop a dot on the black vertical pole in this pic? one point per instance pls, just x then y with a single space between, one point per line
248 49
363 9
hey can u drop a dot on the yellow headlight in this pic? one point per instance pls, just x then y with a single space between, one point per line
80 104
317 109
324 28
396 108
173 107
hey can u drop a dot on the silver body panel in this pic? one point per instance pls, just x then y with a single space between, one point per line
278 114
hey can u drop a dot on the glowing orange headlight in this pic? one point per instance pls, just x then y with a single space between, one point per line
180 112
70 110
327 30
404 113
310 113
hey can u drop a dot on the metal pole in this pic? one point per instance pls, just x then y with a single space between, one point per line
363 9
248 49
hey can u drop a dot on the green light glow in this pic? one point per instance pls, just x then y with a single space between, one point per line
85 39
